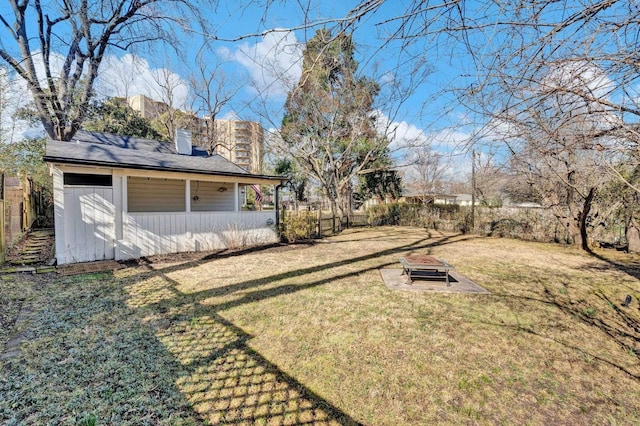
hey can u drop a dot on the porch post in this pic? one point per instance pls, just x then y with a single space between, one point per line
236 197
125 194
119 184
187 195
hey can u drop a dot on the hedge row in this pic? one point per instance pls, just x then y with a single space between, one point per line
523 223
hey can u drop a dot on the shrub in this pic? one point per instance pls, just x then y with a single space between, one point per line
448 217
297 226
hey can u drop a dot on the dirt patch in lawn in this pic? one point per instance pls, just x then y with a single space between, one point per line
17 295
89 267
192 258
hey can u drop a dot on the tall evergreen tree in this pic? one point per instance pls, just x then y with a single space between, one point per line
381 182
329 125
297 182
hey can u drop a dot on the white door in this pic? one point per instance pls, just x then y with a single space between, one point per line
89 226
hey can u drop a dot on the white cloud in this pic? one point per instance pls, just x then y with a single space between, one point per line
586 89
450 140
403 135
274 64
56 62
576 76
230 115
128 75
15 95
131 75
449 145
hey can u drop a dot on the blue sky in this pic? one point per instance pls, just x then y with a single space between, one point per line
259 70
263 67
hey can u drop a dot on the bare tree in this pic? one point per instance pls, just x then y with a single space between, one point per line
509 45
425 172
212 89
58 47
491 179
10 102
170 99
118 76
564 137
556 140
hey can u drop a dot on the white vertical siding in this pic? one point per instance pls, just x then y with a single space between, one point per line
58 212
236 201
88 221
187 196
147 234
96 222
117 205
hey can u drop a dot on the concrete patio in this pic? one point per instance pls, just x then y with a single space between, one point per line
394 279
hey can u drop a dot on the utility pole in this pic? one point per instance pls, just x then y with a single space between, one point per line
473 190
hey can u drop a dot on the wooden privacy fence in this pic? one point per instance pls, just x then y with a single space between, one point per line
22 203
316 224
2 236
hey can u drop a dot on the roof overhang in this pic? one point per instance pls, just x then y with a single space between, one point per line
236 177
92 155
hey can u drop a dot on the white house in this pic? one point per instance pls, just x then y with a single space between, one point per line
118 197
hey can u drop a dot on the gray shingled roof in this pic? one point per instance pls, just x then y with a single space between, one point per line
108 150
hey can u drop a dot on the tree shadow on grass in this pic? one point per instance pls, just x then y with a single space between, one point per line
607 317
622 326
566 344
87 358
227 380
631 269
230 383
256 295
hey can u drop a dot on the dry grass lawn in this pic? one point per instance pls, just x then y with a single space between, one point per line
309 334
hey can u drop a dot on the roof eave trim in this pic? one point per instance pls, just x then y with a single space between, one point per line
50 159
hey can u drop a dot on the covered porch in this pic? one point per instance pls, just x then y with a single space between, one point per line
124 214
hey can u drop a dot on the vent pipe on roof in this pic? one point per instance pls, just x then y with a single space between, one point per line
183 141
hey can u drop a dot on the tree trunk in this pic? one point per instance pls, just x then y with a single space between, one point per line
334 213
344 204
633 236
577 221
582 219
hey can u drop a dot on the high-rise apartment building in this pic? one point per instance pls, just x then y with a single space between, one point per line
241 142
147 107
